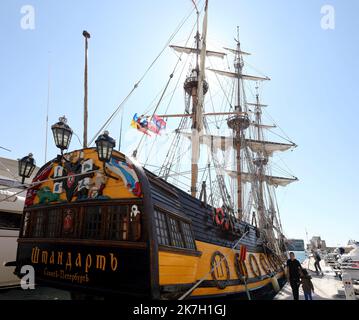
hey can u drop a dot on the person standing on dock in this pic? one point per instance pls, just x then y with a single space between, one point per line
294 267
307 285
317 259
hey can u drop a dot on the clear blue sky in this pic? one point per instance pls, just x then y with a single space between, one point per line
313 95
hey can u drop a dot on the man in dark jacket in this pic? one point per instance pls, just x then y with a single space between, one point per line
293 268
317 259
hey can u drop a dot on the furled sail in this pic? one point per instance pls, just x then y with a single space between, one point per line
264 126
189 50
225 143
214 142
271 180
256 105
245 177
235 75
268 148
280 181
235 51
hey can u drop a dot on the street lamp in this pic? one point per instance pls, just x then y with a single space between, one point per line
62 134
104 147
26 167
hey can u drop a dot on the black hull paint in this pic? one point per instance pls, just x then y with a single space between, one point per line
96 269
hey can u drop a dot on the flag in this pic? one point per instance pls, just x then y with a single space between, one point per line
157 124
139 123
144 124
134 121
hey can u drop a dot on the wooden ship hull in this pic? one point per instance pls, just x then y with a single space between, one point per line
134 234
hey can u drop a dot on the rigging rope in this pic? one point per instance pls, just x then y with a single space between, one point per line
174 91
184 296
5 149
109 120
284 163
279 169
9 171
226 198
166 87
220 84
171 153
287 137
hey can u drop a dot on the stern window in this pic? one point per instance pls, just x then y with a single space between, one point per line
188 236
38 225
118 224
93 218
173 232
121 222
161 228
54 223
176 235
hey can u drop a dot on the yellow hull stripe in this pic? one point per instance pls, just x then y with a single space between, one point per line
233 289
176 268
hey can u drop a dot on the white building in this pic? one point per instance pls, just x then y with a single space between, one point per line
12 199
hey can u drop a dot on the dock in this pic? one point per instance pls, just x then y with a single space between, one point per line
326 287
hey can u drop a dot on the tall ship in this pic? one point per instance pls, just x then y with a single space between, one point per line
98 222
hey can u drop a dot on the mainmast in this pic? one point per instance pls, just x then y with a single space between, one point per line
196 86
198 39
238 123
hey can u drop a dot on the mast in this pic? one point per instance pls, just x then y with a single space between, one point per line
196 86
260 162
194 91
197 37
238 124
87 36
239 68
268 222
238 65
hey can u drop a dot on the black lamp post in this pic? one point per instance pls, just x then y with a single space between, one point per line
26 167
104 146
62 134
